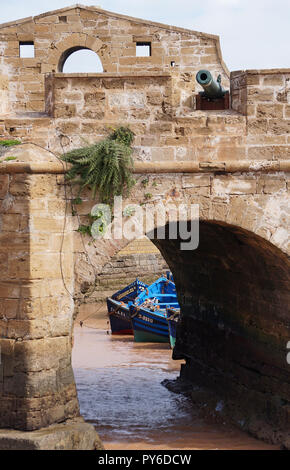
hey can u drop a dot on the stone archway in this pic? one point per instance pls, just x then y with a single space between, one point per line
233 293
40 257
60 50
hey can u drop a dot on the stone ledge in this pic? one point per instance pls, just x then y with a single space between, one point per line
40 168
261 71
72 435
105 75
231 166
160 167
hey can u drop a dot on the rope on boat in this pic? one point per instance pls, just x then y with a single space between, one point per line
174 316
116 310
137 309
82 322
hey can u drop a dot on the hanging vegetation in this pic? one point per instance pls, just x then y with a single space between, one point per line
105 167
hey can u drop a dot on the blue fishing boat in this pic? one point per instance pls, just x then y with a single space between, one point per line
173 315
118 307
169 276
148 311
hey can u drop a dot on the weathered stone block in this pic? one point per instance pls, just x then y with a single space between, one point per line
258 94
42 354
257 126
4 183
278 126
270 110
233 185
94 98
196 181
71 435
67 111
273 80
272 186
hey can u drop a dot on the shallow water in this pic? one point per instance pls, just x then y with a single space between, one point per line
120 392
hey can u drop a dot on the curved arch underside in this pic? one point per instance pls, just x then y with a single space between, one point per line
74 60
234 293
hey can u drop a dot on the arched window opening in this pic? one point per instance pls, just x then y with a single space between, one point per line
80 60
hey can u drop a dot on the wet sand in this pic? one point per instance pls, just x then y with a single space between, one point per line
120 392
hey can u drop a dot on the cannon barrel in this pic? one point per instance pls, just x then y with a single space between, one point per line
212 88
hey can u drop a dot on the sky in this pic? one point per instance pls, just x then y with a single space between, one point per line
254 34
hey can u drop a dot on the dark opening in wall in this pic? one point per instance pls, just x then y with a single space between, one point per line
26 49
62 19
143 49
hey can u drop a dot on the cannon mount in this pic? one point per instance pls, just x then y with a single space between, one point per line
214 97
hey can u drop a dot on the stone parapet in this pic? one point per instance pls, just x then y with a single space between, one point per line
112 36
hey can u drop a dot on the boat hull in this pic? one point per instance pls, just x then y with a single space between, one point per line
149 327
172 332
147 337
118 307
173 319
119 318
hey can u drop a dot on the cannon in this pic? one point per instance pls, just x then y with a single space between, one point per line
214 96
212 88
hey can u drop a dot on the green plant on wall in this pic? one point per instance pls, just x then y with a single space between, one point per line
84 229
145 182
9 143
9 159
105 167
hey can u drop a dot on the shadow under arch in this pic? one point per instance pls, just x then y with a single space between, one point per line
69 52
234 292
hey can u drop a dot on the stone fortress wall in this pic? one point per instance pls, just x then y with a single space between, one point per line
112 36
157 100
233 291
140 258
